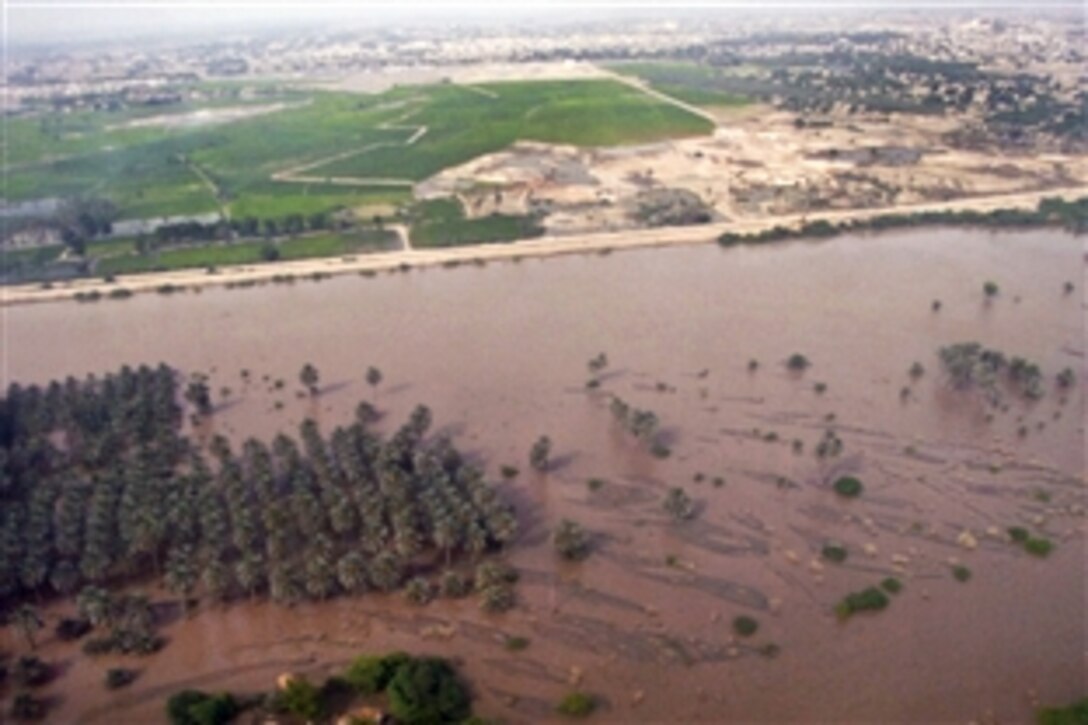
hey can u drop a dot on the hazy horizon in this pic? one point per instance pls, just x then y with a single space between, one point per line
45 23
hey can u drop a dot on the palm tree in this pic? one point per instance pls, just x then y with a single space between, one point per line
95 604
64 578
351 572
216 578
386 572
181 575
249 571
320 576
27 619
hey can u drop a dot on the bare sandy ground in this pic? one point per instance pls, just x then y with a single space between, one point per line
541 247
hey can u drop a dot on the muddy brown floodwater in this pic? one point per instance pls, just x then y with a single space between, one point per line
499 353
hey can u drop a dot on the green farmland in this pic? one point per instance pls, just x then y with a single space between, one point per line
465 122
151 171
699 85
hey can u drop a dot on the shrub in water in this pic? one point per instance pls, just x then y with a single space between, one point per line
835 553
848 486
892 585
427 690
745 626
961 573
577 704
1038 547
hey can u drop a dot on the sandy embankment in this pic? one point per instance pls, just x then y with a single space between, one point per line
540 247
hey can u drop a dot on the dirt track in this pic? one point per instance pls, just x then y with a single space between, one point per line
542 247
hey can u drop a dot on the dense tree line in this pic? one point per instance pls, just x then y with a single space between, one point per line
1069 215
245 227
99 486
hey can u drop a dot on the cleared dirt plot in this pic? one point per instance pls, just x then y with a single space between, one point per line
761 587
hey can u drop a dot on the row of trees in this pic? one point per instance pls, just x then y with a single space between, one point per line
98 486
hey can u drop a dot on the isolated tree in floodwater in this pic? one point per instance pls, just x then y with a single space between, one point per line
539 453
308 376
373 376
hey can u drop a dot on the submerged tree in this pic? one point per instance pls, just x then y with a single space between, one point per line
540 452
373 376
309 377
571 541
678 504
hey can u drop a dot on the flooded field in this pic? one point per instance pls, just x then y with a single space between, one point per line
499 353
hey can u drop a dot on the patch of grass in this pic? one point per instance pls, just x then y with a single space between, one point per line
1018 534
509 471
577 704
848 487
961 573
745 626
595 484
835 553
442 223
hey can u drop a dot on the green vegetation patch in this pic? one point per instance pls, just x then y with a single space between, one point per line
1038 546
961 573
745 626
835 553
464 122
848 487
516 644
871 599
1073 714
577 704
892 585
225 254
442 223
699 85
193 707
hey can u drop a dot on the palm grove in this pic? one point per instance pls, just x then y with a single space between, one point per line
99 487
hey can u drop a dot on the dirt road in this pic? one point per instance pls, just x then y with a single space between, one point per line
539 247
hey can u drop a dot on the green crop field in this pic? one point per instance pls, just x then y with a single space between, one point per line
465 122
442 223
698 85
250 252
159 171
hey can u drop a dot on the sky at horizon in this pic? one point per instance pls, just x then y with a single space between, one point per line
52 22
